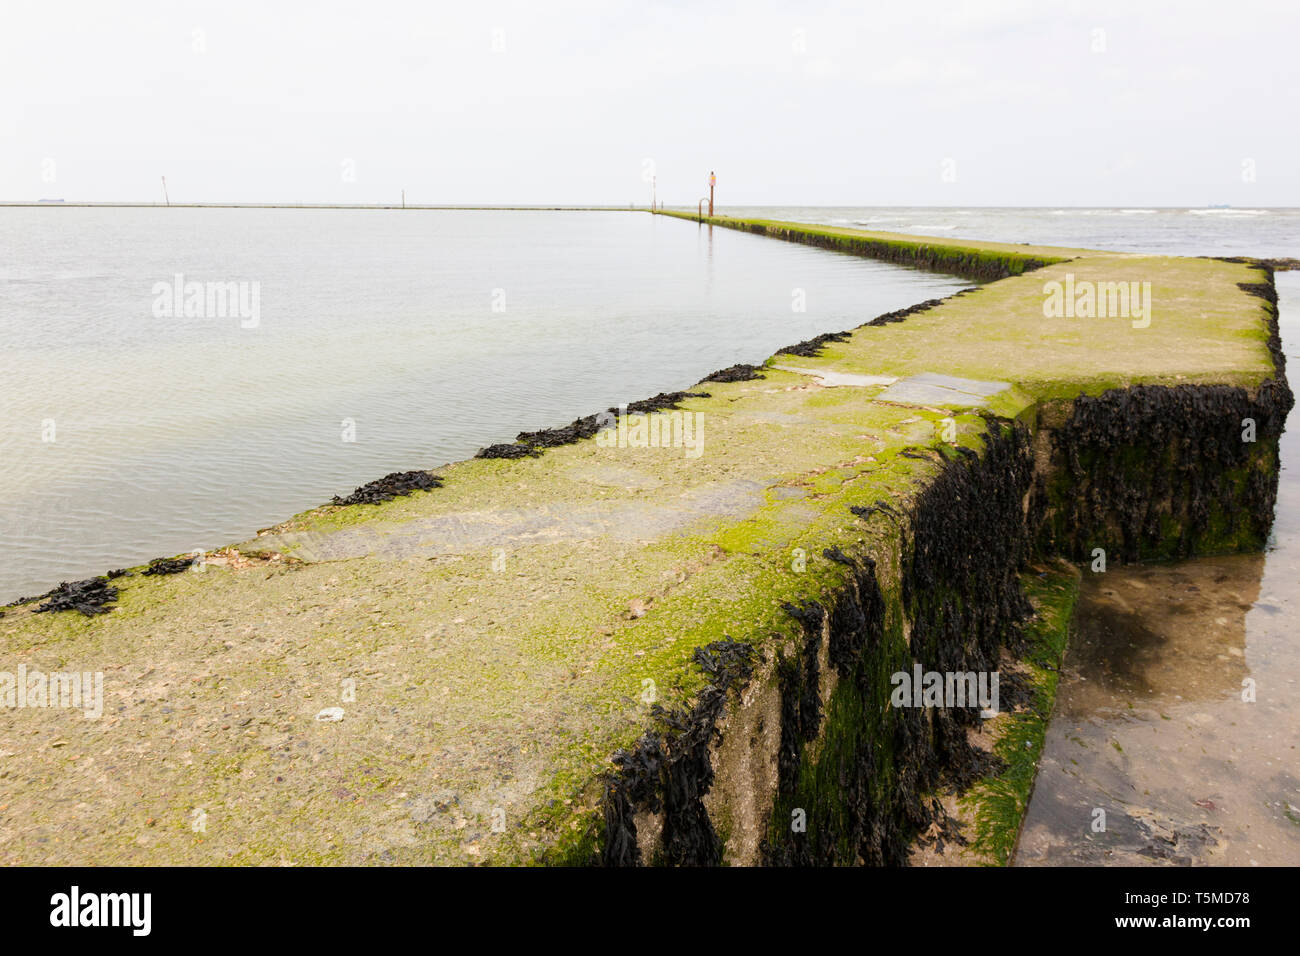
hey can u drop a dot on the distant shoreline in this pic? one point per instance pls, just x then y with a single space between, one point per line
312 205
564 208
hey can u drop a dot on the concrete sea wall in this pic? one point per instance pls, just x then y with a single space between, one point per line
578 650
1139 473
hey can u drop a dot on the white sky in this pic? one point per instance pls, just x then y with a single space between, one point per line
266 101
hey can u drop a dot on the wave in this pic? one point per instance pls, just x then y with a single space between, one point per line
1228 212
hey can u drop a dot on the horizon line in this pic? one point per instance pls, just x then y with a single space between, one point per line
575 207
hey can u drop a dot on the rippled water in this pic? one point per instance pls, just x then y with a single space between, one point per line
433 332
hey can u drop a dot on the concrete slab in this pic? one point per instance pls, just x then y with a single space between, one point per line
931 388
971 385
830 379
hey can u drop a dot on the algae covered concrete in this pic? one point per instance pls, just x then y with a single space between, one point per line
445 678
977 259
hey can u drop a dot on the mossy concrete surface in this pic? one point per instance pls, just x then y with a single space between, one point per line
493 642
982 260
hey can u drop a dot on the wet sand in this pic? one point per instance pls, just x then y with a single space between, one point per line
1151 726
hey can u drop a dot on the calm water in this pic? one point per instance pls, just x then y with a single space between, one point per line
434 333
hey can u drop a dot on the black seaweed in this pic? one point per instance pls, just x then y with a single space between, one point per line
394 485
89 597
735 373
532 444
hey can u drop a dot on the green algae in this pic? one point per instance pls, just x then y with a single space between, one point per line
998 801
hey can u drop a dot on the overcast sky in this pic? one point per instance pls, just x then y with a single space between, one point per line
1003 102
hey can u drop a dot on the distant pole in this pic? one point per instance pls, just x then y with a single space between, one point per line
403 198
713 181
166 201
654 193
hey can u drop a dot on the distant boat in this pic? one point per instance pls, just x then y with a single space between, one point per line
49 200
1218 205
